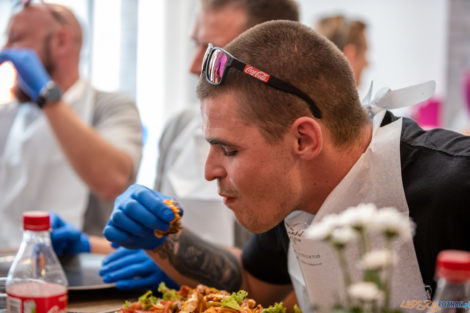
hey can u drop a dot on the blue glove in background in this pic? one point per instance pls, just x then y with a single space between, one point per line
66 238
136 214
32 75
133 269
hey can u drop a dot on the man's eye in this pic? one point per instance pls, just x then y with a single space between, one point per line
229 152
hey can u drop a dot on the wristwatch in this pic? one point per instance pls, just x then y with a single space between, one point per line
50 93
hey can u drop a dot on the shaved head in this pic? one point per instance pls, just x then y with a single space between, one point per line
52 15
69 21
54 33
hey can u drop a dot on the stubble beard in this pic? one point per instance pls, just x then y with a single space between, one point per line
48 64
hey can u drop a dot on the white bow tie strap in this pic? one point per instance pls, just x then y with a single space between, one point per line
386 99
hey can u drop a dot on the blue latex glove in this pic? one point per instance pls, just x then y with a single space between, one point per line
32 75
136 214
133 269
66 239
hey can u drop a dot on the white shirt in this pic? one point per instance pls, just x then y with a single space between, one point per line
34 172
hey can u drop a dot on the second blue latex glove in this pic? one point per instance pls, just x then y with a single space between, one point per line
136 214
133 269
66 238
32 75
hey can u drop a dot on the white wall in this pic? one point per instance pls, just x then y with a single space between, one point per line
407 39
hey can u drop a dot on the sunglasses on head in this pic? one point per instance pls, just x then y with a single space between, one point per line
217 61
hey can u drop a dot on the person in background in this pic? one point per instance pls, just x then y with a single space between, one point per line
350 37
182 149
69 148
290 143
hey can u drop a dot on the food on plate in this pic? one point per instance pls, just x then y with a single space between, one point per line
201 299
175 224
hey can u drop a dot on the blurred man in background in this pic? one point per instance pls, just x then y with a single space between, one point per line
350 37
68 148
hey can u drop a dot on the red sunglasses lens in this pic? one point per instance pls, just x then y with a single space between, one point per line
216 66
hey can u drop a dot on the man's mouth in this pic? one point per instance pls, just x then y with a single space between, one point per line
227 198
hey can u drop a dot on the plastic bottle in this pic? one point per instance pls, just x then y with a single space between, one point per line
36 281
453 284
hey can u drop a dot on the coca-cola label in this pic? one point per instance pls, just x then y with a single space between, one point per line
256 73
53 304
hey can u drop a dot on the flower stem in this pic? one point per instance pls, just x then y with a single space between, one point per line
364 246
388 275
345 270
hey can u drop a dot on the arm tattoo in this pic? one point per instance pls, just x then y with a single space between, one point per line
202 261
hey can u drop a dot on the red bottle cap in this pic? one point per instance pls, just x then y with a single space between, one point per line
453 265
36 220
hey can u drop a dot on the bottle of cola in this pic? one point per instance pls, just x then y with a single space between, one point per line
453 282
36 281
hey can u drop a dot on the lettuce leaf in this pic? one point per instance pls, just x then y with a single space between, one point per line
276 308
167 293
234 300
148 299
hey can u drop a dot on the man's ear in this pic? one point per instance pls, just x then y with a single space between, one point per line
309 137
63 42
350 52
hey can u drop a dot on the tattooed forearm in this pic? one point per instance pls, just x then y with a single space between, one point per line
202 261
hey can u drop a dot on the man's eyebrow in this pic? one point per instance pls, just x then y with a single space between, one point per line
217 142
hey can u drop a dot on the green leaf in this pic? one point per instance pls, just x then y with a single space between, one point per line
297 309
230 302
147 300
167 293
234 300
276 308
239 296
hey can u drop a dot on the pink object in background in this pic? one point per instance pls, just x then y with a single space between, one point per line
466 90
428 113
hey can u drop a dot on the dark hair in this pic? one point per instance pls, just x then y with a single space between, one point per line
259 11
342 31
297 54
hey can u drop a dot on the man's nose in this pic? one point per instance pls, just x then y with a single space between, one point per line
213 169
196 65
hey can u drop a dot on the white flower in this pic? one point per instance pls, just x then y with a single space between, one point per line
392 223
359 217
323 229
365 291
378 259
343 235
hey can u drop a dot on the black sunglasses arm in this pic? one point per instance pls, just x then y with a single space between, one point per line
280 85
285 86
